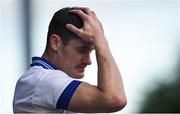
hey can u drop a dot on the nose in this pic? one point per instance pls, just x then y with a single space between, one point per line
87 60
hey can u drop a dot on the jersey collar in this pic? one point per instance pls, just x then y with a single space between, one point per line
39 61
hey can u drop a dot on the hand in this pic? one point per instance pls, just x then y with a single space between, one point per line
92 30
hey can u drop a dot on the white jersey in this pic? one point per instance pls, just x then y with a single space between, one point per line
43 89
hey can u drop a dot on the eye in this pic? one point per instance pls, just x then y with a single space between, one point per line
84 51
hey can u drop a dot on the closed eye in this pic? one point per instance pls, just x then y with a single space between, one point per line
84 50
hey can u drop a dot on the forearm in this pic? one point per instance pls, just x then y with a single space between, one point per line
109 77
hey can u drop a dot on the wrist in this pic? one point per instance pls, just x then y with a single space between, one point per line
101 44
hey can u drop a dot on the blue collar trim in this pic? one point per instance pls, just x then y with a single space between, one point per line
39 61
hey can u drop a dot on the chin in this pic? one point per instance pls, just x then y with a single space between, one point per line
77 75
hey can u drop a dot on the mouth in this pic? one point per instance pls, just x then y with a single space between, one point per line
81 68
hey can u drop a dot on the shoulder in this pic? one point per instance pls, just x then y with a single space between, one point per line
49 87
53 79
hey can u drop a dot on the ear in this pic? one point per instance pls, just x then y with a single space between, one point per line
55 42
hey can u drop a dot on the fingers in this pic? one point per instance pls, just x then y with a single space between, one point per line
80 14
94 15
74 29
83 12
84 9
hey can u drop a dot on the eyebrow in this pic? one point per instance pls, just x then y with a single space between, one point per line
85 47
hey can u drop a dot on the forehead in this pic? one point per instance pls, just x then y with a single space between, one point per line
79 43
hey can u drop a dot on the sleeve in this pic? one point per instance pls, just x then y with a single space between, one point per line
54 91
65 97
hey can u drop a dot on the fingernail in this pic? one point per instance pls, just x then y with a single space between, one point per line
67 25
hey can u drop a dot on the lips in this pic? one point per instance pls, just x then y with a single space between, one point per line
81 68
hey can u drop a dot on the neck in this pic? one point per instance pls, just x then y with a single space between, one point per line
50 56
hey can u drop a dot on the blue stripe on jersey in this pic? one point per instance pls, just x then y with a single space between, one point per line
38 64
39 61
65 97
43 63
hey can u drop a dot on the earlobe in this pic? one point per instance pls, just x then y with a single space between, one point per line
55 42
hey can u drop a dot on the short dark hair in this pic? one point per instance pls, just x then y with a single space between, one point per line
58 23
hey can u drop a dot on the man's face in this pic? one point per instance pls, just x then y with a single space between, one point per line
74 57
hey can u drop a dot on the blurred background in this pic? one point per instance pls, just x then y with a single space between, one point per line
144 37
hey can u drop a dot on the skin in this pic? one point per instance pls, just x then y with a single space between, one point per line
72 58
109 94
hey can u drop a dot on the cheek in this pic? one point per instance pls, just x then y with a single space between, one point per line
72 59
71 62
75 61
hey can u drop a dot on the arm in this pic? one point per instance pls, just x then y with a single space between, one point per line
109 95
